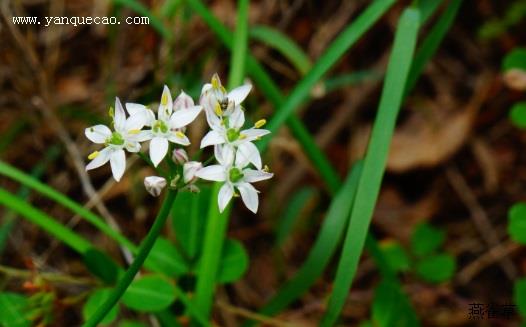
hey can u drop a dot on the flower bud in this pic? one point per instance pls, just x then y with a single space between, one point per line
189 170
179 156
154 185
183 101
193 188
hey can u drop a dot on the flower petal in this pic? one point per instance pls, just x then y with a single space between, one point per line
98 133
166 105
237 118
158 149
135 123
239 93
224 154
184 117
247 153
225 195
100 159
183 101
141 136
212 173
179 139
249 196
254 133
118 164
212 138
119 116
211 118
252 176
135 108
133 147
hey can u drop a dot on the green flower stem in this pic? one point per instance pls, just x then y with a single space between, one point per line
144 250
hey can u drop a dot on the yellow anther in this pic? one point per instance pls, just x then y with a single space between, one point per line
236 195
218 110
257 138
93 155
164 99
242 136
134 131
180 134
266 169
111 112
216 82
260 123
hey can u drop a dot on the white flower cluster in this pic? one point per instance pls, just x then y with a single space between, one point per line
239 161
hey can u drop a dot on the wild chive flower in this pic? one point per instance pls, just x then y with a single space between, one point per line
228 133
189 171
219 103
154 185
236 176
179 156
169 123
125 136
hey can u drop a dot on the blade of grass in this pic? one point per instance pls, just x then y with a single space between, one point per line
217 222
330 235
431 43
44 221
375 161
296 205
141 9
283 44
21 177
9 219
334 52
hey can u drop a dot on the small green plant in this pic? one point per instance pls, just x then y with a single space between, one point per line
517 232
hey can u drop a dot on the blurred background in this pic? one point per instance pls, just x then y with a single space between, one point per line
455 165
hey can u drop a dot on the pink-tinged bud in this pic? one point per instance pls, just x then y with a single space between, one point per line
189 170
183 101
154 185
179 156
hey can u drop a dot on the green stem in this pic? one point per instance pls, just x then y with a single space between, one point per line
144 250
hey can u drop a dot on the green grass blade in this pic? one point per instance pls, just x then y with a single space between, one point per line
296 205
44 221
322 250
21 177
217 222
427 8
9 219
141 9
284 45
375 161
334 83
431 43
333 53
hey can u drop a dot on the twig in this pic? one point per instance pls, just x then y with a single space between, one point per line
480 218
52 277
254 316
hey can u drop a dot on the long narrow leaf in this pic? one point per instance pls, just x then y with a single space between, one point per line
375 160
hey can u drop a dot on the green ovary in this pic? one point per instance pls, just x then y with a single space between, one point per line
235 175
232 134
160 126
115 139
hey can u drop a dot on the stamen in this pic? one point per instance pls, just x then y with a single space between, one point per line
180 134
242 136
93 155
217 109
260 123
134 131
266 169
164 99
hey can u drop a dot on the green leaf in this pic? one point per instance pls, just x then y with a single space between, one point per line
375 161
437 268
426 239
188 220
295 205
101 265
518 114
515 59
131 323
391 308
93 303
519 296
149 293
165 258
12 310
396 256
517 223
234 262
282 43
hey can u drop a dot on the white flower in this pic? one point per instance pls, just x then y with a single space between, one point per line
189 171
154 185
228 133
236 176
167 127
126 136
218 103
179 156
